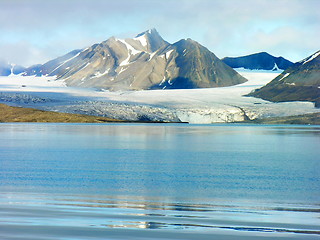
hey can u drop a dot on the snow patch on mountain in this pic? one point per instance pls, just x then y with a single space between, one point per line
163 81
284 76
152 55
130 48
168 53
68 60
12 67
275 68
311 58
99 74
122 69
142 39
126 61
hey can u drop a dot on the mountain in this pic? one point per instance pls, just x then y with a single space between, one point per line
52 67
198 67
144 62
261 61
7 69
300 82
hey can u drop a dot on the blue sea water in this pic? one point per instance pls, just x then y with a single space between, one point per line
166 181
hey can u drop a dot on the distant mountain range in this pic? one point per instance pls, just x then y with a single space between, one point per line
144 62
300 82
7 69
259 61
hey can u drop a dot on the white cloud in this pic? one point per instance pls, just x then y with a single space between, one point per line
22 53
226 27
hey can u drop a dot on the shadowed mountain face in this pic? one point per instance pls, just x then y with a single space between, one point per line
199 68
144 62
300 82
6 69
261 61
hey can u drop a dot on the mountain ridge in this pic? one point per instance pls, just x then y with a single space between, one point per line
146 61
258 61
300 82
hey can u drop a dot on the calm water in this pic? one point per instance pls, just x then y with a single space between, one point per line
159 181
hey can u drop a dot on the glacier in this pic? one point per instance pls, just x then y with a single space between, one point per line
196 106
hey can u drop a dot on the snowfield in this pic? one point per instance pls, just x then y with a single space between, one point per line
201 106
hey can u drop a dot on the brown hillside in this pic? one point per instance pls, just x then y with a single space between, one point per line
18 114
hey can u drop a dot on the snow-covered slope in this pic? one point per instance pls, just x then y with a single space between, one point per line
208 105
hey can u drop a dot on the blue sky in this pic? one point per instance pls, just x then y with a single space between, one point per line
35 31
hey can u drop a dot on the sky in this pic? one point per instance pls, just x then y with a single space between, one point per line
35 31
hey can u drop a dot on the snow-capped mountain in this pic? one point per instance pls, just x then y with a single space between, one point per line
7 69
144 62
260 61
300 82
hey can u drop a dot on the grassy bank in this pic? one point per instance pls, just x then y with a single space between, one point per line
18 114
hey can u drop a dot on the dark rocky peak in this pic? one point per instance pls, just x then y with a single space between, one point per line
261 60
187 46
262 54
